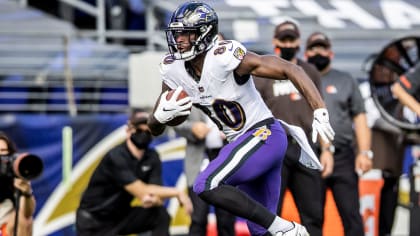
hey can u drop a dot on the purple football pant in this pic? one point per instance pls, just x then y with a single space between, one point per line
253 164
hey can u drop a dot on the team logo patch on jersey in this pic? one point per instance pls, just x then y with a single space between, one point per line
239 53
262 133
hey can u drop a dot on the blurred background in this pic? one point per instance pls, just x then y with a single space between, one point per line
71 69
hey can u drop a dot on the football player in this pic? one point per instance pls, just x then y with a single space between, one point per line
217 75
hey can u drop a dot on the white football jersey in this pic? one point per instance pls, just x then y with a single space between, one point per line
233 107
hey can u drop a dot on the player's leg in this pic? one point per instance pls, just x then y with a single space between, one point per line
245 159
287 171
225 220
266 190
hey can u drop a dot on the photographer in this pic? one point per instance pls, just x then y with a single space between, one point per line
129 170
8 187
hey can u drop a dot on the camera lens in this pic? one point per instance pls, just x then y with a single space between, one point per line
28 166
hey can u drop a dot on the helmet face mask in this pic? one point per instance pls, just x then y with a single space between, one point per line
195 21
184 49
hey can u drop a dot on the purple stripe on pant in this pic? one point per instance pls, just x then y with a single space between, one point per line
253 164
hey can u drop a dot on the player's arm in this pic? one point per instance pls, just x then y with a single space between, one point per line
273 67
166 110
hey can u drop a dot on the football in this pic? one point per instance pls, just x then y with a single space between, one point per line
180 119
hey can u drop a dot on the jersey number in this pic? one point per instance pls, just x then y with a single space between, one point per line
228 112
222 47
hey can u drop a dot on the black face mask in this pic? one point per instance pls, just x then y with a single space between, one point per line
141 139
288 53
320 62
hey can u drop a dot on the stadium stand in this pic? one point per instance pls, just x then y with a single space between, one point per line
353 43
40 52
42 62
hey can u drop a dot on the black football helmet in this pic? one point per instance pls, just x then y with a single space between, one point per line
192 18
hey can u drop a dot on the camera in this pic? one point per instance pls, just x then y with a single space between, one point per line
23 165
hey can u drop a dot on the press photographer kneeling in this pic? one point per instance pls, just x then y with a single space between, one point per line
17 203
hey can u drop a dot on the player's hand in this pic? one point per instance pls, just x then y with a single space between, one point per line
185 202
169 109
321 125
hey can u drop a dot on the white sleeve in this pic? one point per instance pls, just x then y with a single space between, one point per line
231 53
